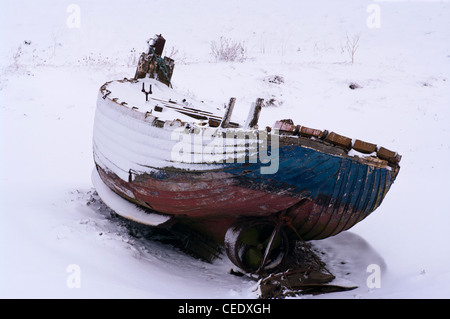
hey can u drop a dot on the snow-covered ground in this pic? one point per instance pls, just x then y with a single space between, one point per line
56 54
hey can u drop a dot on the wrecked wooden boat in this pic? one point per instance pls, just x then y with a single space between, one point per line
163 158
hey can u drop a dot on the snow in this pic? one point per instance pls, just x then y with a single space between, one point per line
129 92
53 64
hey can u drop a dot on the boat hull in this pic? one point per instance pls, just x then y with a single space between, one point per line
322 197
320 189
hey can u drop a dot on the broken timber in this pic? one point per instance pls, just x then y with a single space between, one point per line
253 115
227 117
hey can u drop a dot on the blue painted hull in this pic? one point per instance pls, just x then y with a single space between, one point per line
320 193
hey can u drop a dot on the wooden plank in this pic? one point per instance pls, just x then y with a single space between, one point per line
388 155
287 127
186 110
227 117
195 113
364 147
158 45
310 132
253 115
339 140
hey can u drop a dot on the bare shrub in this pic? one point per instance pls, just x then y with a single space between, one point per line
351 46
172 53
16 57
16 64
228 50
175 54
132 58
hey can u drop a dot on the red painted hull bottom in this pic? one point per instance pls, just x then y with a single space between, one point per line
212 206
